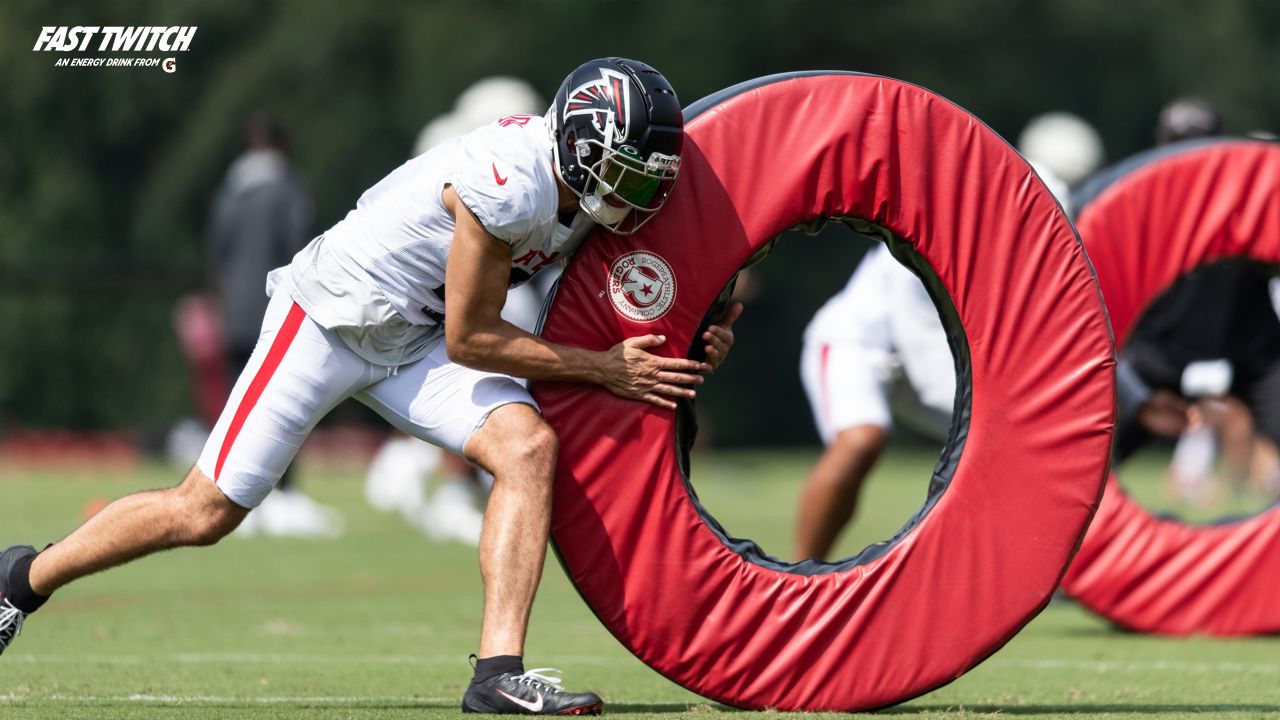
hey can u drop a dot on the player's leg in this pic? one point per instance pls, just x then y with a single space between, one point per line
300 371
519 449
287 511
1234 425
194 512
493 422
1190 477
829 499
848 398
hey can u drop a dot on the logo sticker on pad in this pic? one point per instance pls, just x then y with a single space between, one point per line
642 286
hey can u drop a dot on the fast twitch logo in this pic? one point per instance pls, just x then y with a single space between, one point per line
80 38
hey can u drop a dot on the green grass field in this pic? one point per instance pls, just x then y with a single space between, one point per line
379 623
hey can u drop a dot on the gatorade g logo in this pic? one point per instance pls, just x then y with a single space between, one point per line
642 286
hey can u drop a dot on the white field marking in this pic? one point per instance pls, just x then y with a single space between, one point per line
232 699
232 658
288 659
249 699
305 658
1139 665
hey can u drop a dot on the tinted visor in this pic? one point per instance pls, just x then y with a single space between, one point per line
630 182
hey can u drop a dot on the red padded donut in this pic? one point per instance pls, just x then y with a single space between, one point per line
1168 213
1013 490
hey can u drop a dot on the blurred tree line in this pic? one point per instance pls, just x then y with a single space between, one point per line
106 174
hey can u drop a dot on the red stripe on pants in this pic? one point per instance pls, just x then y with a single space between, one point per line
824 387
284 338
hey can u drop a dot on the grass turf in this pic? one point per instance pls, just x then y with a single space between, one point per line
379 623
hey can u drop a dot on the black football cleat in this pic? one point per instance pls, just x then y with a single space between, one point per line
532 693
10 617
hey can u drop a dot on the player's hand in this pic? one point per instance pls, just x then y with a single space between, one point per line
1164 414
633 373
720 337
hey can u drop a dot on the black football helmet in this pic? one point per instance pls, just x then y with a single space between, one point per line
617 130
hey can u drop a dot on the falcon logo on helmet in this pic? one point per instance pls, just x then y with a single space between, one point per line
605 101
617 130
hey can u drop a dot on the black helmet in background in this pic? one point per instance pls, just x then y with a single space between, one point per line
1186 118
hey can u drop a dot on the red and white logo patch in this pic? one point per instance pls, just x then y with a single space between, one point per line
642 286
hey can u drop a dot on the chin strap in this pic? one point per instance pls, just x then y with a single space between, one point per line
601 211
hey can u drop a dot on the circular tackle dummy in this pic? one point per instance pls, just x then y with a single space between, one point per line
1146 223
1013 490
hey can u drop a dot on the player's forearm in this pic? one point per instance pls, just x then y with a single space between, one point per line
505 348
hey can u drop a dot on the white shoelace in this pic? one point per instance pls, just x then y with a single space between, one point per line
10 617
536 676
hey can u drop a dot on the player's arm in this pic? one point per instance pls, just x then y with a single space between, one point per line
476 336
1161 412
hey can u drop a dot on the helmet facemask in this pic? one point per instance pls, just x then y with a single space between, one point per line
623 191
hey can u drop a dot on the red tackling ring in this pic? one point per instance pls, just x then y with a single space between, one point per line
1167 213
1013 490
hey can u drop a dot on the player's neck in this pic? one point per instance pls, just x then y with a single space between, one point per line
568 200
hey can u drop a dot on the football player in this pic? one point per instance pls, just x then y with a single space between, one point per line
399 305
874 351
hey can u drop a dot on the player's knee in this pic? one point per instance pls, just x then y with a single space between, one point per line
202 514
537 448
861 440
515 439
852 452
202 532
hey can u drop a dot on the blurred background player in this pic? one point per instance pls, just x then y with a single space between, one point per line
1063 148
1203 363
262 216
398 479
875 350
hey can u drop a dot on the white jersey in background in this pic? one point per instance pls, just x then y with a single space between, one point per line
878 344
377 277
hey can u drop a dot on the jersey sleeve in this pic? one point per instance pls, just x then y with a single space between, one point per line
501 195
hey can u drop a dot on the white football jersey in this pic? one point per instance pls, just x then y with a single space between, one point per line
378 275
886 310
